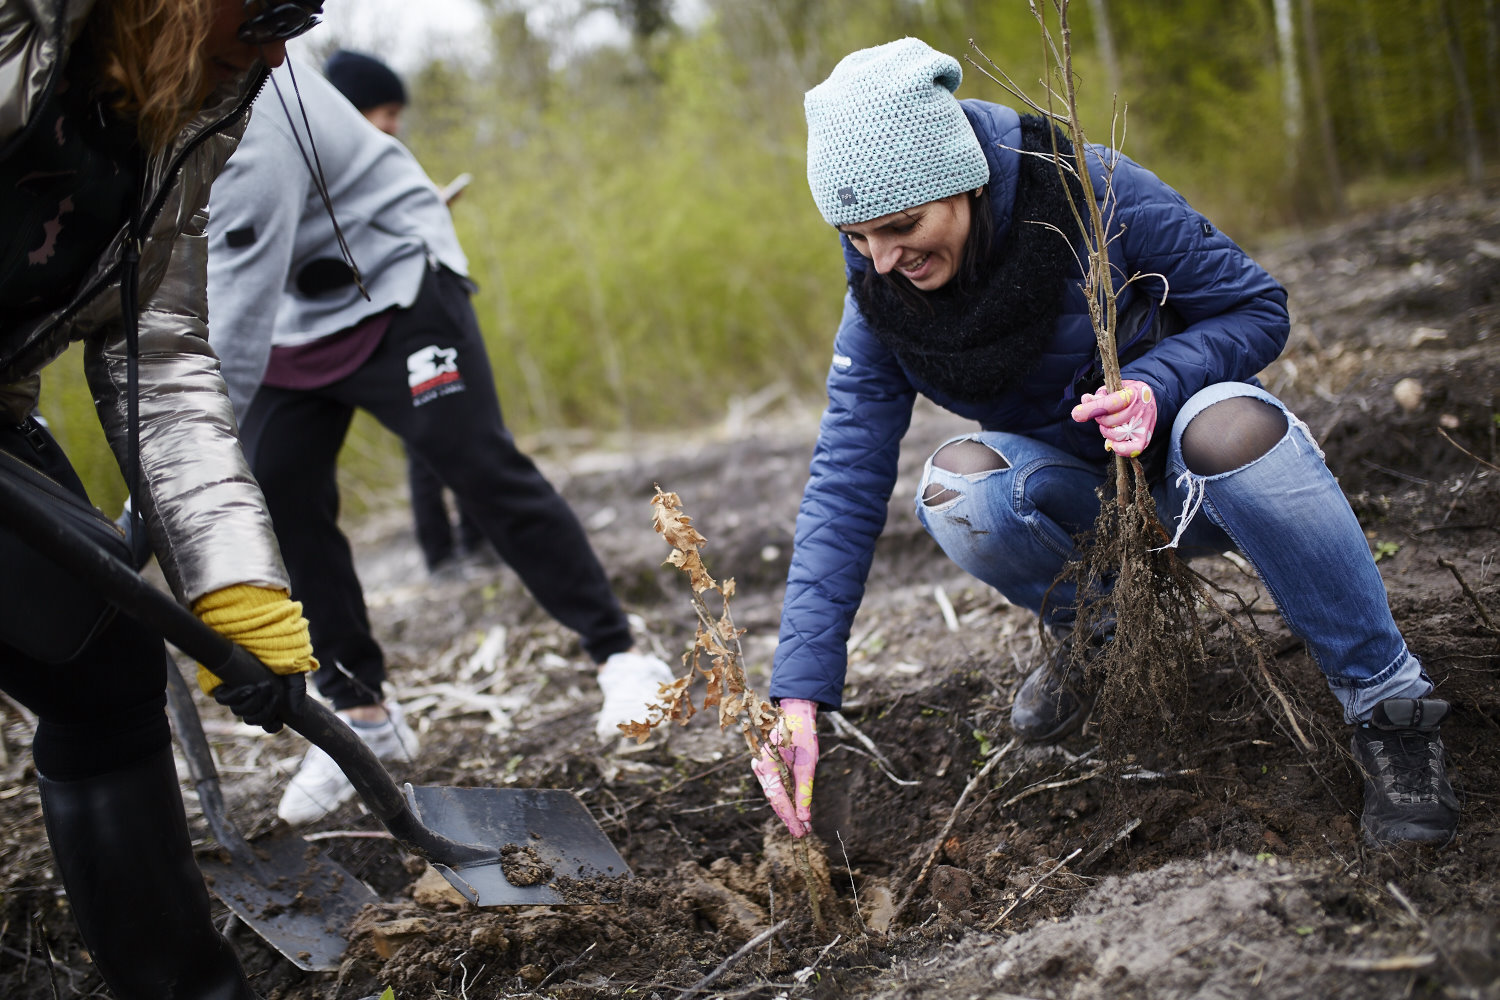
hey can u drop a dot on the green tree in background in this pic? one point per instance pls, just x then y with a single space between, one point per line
639 222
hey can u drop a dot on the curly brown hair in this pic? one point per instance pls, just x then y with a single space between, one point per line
146 57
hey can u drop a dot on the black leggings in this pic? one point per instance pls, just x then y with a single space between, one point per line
105 709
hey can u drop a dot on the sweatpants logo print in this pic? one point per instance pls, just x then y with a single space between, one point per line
433 372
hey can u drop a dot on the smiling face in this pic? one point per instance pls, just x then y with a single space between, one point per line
224 55
924 244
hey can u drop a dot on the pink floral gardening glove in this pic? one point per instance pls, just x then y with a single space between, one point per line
1126 418
802 756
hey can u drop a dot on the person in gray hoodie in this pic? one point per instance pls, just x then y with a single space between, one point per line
314 318
375 89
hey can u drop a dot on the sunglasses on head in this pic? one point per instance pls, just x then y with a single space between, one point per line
277 22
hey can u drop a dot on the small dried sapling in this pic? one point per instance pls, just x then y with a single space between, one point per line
725 688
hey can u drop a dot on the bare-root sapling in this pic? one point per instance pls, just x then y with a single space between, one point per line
717 657
1130 582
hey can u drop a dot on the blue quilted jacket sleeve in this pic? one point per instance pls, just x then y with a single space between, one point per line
843 512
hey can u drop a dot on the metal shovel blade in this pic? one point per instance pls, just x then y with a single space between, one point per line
551 852
285 889
299 901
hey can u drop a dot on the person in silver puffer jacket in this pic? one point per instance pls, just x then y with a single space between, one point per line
115 117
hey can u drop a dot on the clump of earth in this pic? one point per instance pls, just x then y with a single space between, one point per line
523 866
1225 862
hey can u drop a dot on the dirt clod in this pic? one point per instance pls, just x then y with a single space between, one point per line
523 866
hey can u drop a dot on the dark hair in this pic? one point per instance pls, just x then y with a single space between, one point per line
971 267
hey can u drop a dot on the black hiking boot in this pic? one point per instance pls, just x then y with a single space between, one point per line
1055 699
1407 795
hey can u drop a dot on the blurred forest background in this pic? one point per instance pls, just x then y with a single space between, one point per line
639 222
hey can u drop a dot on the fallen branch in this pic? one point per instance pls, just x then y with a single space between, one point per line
1137 774
950 618
1396 963
1466 451
1463 584
689 779
728 963
1425 929
1048 786
349 835
1092 858
852 887
804 974
1034 887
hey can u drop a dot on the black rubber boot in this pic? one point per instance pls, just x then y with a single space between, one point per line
120 842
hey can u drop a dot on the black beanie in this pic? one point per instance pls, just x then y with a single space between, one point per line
364 80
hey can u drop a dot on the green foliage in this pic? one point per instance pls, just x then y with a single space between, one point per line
639 223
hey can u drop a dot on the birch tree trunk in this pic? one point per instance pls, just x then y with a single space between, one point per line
1105 40
1291 84
1324 119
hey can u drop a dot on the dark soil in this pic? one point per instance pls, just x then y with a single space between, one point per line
1224 861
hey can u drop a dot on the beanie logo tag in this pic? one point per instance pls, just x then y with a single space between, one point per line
847 196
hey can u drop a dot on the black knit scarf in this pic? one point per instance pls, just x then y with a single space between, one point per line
974 345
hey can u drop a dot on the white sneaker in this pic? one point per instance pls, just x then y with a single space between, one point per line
319 787
630 681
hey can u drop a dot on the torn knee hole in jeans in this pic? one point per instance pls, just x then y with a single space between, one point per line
936 496
969 457
966 457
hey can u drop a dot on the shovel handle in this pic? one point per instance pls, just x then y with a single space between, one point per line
200 762
127 590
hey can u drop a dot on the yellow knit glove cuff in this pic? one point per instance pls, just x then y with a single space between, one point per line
263 620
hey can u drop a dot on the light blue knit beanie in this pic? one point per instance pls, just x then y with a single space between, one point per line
885 133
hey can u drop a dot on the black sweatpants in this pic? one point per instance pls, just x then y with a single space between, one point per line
429 382
433 523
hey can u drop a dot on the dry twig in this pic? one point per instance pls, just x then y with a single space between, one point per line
728 963
1487 465
1484 615
1034 887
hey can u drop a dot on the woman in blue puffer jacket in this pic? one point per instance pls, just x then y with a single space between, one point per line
963 287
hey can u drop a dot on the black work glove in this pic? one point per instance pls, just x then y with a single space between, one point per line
266 701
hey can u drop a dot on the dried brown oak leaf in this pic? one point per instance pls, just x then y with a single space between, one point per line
677 528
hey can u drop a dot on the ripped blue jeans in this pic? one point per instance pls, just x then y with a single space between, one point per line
1014 528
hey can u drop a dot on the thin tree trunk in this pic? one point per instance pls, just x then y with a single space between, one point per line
1373 64
1320 106
1492 61
1291 84
1468 121
1105 40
